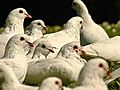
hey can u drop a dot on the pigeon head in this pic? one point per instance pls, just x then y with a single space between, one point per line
20 13
75 22
81 9
17 16
36 27
51 83
44 48
94 71
20 40
75 5
16 45
92 74
39 24
15 20
71 49
100 67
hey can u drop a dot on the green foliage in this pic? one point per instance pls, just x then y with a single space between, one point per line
1 29
52 29
111 29
114 85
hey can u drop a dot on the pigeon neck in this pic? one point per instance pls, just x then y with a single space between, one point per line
36 33
38 56
32 49
44 88
47 87
13 51
14 25
30 53
83 12
73 31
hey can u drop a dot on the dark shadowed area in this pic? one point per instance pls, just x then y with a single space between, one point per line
57 12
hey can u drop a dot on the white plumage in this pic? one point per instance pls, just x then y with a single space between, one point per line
91 32
41 49
14 25
36 29
107 49
15 56
66 65
92 74
8 80
71 32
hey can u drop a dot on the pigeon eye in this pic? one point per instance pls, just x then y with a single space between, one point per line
75 47
22 38
20 11
74 3
57 82
38 23
80 22
100 65
43 46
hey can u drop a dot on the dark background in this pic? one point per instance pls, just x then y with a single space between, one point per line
57 12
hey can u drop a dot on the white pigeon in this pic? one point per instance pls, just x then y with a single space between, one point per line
41 49
114 75
36 29
15 20
8 80
71 32
14 25
107 49
91 32
92 74
66 65
15 56
51 83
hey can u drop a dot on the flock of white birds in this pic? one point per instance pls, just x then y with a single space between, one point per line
31 60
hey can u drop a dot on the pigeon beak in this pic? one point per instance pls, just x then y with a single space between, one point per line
109 74
80 51
30 44
61 87
45 28
51 50
28 16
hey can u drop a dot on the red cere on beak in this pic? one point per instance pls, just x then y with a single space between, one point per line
81 52
109 74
